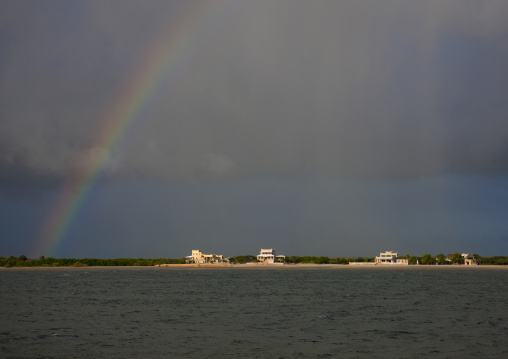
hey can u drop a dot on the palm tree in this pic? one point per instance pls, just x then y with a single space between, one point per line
456 258
441 259
428 259
413 260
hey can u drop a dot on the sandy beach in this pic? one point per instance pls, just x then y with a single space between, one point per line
261 267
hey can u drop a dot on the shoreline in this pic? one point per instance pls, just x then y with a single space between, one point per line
262 267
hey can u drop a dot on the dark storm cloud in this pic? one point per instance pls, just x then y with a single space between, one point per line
363 89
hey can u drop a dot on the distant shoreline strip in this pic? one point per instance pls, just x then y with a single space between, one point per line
260 267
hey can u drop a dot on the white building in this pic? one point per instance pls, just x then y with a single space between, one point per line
200 258
468 259
390 257
268 256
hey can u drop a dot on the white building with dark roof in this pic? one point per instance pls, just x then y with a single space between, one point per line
468 259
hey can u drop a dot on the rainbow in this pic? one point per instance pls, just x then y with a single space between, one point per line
165 59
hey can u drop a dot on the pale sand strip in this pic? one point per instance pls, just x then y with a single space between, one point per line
261 267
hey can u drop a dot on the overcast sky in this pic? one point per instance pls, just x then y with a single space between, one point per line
339 128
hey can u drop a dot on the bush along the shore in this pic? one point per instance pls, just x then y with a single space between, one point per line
22 261
426 259
325 260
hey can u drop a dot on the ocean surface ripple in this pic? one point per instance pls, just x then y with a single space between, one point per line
254 314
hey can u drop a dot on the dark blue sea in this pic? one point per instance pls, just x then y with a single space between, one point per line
200 313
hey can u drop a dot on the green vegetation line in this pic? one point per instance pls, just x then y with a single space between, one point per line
426 259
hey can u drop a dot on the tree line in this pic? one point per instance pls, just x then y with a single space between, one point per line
325 260
302 259
426 259
23 261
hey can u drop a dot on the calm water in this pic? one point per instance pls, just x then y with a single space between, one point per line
254 314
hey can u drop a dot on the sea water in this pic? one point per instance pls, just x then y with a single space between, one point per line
367 313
